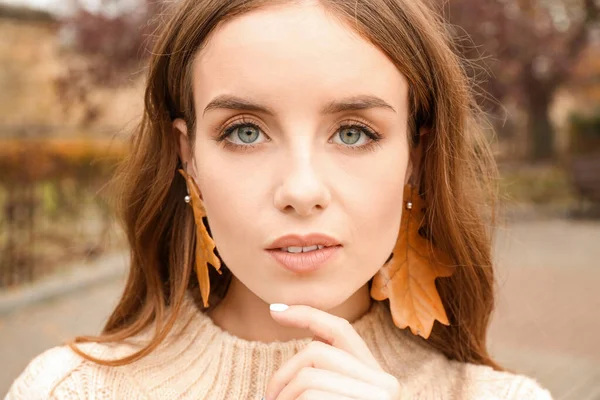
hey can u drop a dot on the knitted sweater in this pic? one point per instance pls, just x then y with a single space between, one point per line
199 360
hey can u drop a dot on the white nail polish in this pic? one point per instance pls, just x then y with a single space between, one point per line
278 307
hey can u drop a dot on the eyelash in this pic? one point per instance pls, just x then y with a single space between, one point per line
370 133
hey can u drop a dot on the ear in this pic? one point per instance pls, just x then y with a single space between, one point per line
184 148
415 156
409 172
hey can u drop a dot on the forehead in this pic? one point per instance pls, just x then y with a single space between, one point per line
293 54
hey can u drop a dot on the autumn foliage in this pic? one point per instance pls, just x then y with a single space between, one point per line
408 279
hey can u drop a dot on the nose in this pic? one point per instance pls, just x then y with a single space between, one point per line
302 190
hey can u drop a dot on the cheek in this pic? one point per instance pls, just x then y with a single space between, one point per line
232 201
381 221
374 206
382 229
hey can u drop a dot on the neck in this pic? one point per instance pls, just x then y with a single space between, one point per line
245 315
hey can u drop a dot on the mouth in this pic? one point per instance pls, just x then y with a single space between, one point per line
300 249
299 243
301 254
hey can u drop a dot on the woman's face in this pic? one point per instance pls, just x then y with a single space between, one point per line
301 128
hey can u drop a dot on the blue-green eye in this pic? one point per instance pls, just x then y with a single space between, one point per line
355 136
243 134
247 133
350 135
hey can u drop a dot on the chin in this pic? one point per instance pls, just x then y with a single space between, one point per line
322 300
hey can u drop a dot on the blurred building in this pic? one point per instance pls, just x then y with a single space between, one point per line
28 61
33 53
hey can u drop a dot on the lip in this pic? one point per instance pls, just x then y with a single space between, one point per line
295 240
304 262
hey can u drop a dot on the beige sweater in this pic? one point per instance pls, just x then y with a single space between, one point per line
201 361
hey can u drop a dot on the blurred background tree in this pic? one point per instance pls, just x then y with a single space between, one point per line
106 46
532 48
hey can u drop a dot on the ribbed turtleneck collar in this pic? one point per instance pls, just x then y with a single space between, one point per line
204 323
200 357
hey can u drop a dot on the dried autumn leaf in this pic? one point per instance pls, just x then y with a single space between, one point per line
204 243
408 279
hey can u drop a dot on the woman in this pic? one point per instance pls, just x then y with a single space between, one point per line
325 155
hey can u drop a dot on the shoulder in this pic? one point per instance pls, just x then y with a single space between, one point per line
44 373
60 373
426 373
480 381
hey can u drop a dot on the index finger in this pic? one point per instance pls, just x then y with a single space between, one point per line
334 330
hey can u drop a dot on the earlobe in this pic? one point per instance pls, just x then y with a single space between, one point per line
414 164
185 149
408 174
180 125
181 136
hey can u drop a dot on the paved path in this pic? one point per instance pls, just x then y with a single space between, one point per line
36 328
547 322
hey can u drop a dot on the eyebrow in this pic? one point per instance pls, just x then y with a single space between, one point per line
353 103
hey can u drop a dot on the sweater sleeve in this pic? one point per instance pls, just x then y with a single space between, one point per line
483 382
529 389
45 373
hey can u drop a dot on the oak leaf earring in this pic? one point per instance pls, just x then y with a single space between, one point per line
204 243
407 279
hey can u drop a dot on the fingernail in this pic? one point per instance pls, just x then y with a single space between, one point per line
278 307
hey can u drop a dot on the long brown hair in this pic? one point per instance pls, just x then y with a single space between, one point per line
458 171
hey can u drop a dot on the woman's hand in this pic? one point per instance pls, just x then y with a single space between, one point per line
336 365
